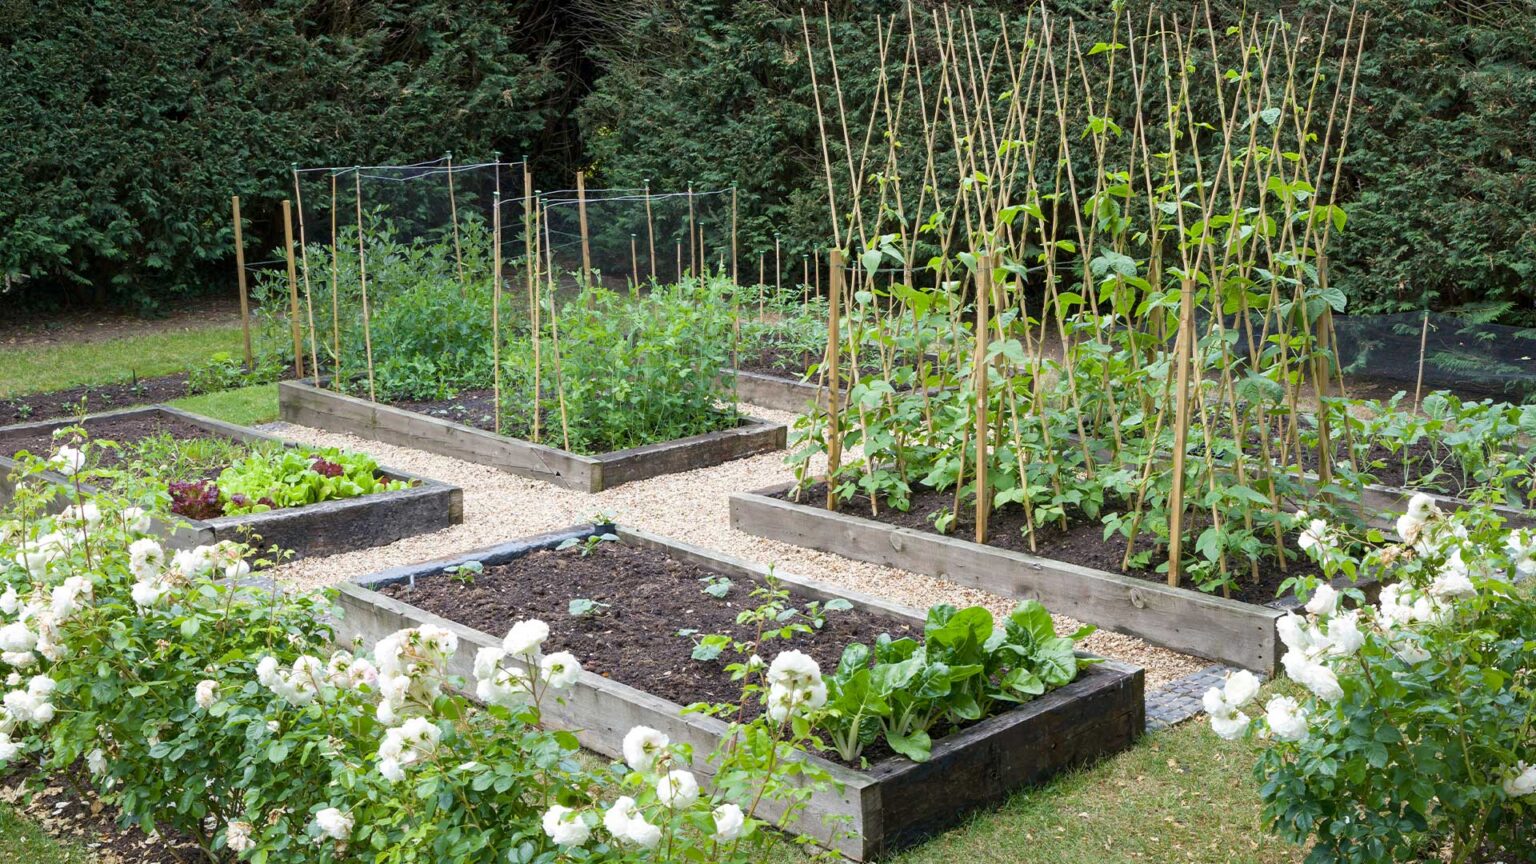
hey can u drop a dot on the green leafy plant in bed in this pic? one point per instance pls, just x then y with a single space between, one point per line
965 669
288 477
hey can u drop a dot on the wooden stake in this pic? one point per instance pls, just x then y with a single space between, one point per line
979 380
778 268
245 303
634 265
535 314
586 241
336 372
693 237
496 313
362 282
453 215
650 229
1418 386
735 275
762 287
679 261
293 290
1184 347
834 432
309 302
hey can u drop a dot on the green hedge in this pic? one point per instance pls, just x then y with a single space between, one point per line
128 126
1441 172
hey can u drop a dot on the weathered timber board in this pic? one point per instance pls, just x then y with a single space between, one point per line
327 528
892 804
306 405
1185 620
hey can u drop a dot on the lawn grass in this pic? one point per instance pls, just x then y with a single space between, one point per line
23 842
41 368
1181 795
246 406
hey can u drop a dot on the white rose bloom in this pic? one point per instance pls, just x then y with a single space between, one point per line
17 637
506 686
207 693
526 637
334 824
146 558
97 762
642 746
487 660
1410 652
1344 635
1315 536
1422 506
560 670
1240 688
18 659
1522 548
1521 782
565 826
192 562
391 770
136 519
148 593
616 817
1287 720
8 749
1452 581
793 669
266 672
68 461
1230 726
643 834
1317 678
1293 633
1324 601
678 789
238 837
9 602
86 514
69 596
729 822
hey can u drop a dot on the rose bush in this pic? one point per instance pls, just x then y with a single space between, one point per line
1410 724
201 704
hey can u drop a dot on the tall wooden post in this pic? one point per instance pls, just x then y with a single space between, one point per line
362 282
634 264
293 290
496 313
586 243
530 243
693 237
309 300
336 371
453 216
834 340
1184 349
979 378
245 301
650 228
735 274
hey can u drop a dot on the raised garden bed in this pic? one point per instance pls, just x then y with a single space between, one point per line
779 392
324 528
1184 619
307 405
891 803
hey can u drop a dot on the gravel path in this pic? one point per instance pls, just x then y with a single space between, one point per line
691 507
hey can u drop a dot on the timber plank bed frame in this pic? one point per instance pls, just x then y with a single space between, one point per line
1183 619
781 393
304 404
326 528
892 803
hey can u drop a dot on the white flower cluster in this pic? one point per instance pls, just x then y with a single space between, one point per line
648 753
410 742
334 824
794 686
31 705
307 679
1521 782
157 578
498 683
412 665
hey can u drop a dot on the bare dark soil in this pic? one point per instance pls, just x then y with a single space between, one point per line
92 398
634 640
121 430
59 809
1081 542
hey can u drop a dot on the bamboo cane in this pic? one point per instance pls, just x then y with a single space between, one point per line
309 303
496 313
453 216
362 282
293 290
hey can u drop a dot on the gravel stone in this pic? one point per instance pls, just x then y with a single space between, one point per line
691 507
